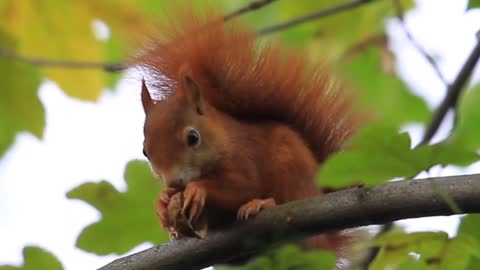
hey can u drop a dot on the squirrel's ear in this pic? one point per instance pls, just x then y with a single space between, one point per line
192 91
147 101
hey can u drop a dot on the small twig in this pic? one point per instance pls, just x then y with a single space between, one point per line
453 92
250 7
113 67
313 16
108 67
400 14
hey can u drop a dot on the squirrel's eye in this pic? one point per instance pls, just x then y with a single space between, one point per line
193 138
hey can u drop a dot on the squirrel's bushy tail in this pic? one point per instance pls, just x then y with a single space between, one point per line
250 79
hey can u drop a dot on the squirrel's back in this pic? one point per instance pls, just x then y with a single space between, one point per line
252 80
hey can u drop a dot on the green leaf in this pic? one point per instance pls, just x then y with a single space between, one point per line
458 252
288 257
467 132
335 34
435 250
474 264
326 38
384 94
395 248
115 52
473 4
254 20
129 21
378 153
153 7
20 107
470 225
412 264
35 258
128 218
426 243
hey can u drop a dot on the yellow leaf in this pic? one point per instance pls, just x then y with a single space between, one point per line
57 30
124 17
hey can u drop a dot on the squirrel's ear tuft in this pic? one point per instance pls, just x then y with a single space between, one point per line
192 90
147 101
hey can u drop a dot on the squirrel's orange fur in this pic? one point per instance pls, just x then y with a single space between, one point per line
265 119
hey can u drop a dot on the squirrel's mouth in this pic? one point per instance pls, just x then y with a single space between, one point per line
178 184
177 178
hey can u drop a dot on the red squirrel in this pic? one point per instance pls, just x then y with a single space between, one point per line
238 124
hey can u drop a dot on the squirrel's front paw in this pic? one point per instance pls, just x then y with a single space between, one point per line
162 206
253 207
195 195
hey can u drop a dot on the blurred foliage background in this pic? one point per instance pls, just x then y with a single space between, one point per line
50 39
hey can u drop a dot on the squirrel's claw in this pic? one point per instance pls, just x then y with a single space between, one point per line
253 207
162 206
162 213
194 201
166 194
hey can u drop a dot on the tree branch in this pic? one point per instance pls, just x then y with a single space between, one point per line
313 16
453 92
449 102
114 67
426 55
334 211
250 7
108 67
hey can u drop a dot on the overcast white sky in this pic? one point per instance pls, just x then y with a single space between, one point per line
93 141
